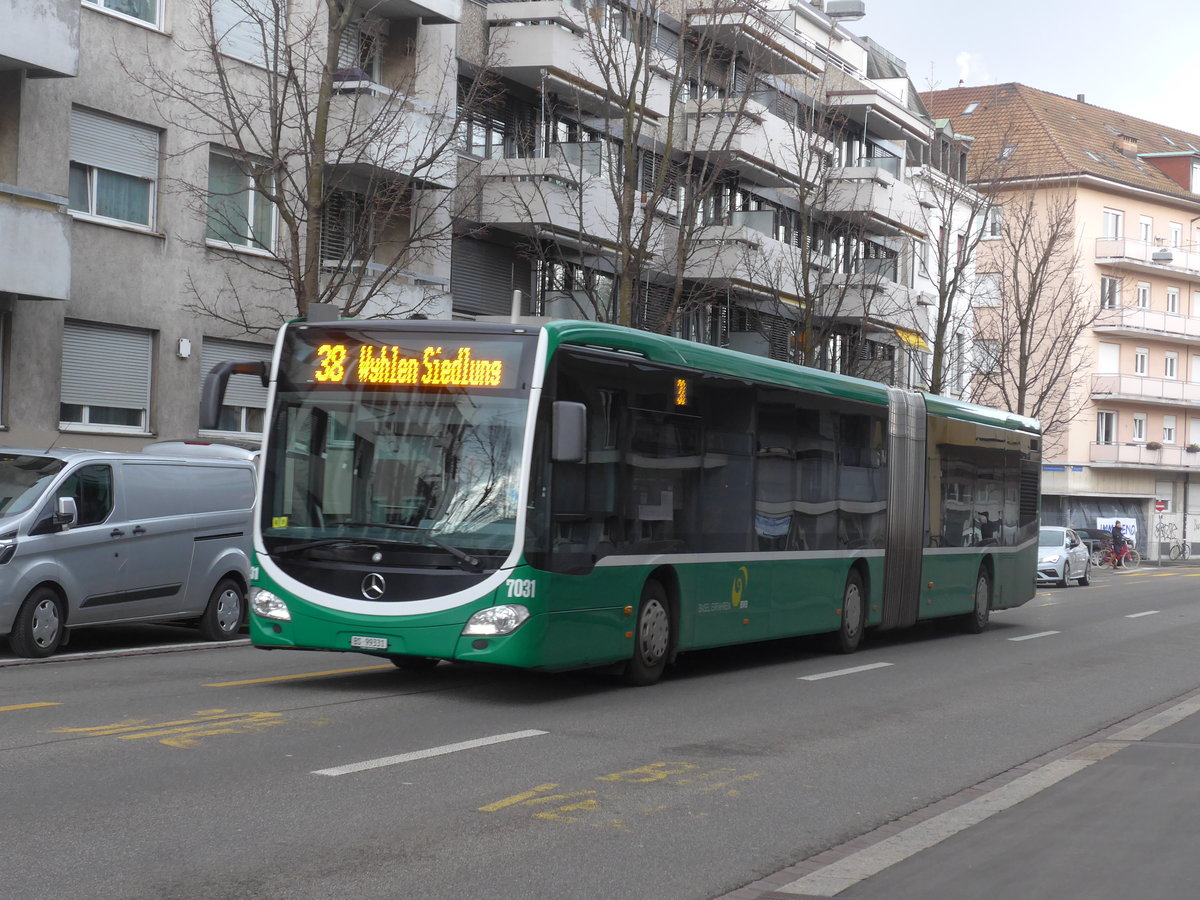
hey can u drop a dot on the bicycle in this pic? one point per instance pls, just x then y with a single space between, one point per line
1181 549
1130 560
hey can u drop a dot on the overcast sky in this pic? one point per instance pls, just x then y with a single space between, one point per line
1137 58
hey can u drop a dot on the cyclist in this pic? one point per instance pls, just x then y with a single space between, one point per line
1120 549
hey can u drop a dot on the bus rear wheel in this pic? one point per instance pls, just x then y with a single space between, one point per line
651 637
976 620
849 635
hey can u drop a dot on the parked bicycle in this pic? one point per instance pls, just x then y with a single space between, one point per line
1181 549
1128 558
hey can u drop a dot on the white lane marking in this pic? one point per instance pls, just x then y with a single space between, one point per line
426 754
1030 637
1149 612
843 874
850 671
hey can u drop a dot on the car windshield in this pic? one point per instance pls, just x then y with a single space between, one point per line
1051 537
23 479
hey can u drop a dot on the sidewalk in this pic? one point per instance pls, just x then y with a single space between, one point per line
1116 815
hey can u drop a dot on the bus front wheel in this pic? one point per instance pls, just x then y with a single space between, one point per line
651 637
976 620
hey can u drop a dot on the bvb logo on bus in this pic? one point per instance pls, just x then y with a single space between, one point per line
740 582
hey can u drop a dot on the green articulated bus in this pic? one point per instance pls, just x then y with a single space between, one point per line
558 494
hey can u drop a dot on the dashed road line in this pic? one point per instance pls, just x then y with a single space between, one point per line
21 706
851 671
430 752
1149 612
1030 637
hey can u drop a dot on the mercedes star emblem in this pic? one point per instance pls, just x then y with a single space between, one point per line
373 585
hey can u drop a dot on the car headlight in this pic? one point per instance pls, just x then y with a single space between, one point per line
8 546
268 606
496 620
1052 558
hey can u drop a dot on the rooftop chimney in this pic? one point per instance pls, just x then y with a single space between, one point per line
1127 145
1080 97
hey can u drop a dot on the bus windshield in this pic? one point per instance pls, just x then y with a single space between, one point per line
398 469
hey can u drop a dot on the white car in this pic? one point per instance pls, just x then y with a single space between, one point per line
1062 556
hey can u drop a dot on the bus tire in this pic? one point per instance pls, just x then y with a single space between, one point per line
849 635
651 637
414 663
976 620
39 626
222 618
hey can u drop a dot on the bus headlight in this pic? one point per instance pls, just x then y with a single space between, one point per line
268 606
496 620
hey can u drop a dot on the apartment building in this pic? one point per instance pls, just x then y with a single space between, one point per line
748 174
1133 187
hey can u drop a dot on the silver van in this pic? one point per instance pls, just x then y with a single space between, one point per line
90 537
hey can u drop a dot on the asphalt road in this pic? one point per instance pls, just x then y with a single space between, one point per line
231 772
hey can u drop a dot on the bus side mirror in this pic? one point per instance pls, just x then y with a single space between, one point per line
66 513
213 396
569 432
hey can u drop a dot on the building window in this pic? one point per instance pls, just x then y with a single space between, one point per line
91 396
1176 235
1006 152
245 398
1171 365
1106 427
1141 361
1110 292
987 289
142 10
1143 295
1114 223
114 168
1146 230
1173 300
1139 427
987 355
238 213
1168 430
993 222
244 28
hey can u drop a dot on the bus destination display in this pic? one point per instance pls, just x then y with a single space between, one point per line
428 362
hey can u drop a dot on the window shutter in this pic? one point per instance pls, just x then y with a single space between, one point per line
242 390
114 144
483 277
105 366
241 26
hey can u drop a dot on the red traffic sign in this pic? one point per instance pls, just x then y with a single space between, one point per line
1160 505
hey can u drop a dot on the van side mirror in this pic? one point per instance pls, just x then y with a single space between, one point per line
569 432
66 513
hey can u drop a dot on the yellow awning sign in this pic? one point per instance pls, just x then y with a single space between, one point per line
912 339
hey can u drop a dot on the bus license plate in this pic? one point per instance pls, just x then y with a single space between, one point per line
358 642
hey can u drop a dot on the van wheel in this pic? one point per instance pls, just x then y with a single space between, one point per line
222 617
651 637
38 628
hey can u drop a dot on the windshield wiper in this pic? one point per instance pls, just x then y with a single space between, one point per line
323 542
470 562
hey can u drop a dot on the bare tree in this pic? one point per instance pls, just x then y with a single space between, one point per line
334 123
1031 338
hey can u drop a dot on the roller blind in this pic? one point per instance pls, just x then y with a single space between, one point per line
118 145
105 366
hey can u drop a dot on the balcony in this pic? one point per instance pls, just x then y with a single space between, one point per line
430 12
371 129
1169 391
1170 456
882 114
1135 321
872 296
42 37
546 44
762 146
872 197
761 35
1139 256
562 193
401 293
744 253
35 252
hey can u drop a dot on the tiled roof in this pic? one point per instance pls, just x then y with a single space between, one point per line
1051 135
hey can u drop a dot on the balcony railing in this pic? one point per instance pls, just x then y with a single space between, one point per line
35 244
1154 256
1140 387
41 37
1135 319
1138 454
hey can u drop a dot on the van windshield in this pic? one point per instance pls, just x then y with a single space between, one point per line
23 480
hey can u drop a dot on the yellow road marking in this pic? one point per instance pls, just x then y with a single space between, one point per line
297 677
181 733
26 706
